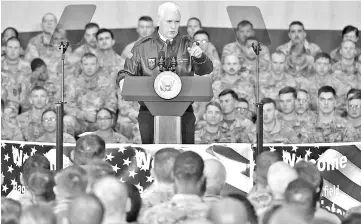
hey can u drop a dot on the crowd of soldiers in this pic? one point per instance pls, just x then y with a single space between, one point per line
308 95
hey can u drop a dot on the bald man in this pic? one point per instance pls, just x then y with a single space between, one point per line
228 211
215 174
86 209
114 196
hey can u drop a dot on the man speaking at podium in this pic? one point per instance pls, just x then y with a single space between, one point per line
146 59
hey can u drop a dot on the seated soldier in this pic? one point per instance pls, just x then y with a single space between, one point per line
274 129
231 70
277 77
232 125
354 113
249 61
105 123
245 89
30 122
203 38
10 95
287 97
109 60
244 31
193 25
299 63
322 76
12 63
9 131
303 112
242 107
347 70
145 28
328 126
5 36
348 33
297 35
92 90
48 119
211 130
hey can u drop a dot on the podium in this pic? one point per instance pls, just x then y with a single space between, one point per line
167 113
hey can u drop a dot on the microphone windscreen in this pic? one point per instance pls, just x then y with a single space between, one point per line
161 54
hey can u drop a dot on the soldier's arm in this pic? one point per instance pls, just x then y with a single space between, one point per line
111 101
71 107
132 65
17 134
198 137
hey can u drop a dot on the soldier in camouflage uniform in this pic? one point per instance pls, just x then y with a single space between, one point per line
90 45
30 121
249 61
6 35
233 126
211 130
189 186
245 30
297 34
13 64
109 60
300 65
354 113
10 95
303 112
330 127
348 33
287 97
88 93
9 131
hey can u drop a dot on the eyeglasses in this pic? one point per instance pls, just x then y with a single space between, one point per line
354 106
301 100
103 118
241 109
49 120
202 41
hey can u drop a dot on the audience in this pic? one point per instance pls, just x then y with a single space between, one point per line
92 213
216 175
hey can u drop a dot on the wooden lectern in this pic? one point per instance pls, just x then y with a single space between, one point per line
167 113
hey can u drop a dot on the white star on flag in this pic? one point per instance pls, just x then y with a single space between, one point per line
13 182
115 168
10 169
299 158
272 149
25 156
3 144
132 173
149 179
110 157
294 148
6 157
308 152
22 145
140 188
316 146
121 180
5 188
33 151
126 162
121 149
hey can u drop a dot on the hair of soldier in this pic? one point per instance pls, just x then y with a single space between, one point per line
36 63
49 13
33 161
88 55
244 23
349 29
112 114
326 89
145 18
299 23
278 52
47 111
202 32
37 88
89 147
189 167
38 214
302 90
91 25
10 211
41 183
197 19
356 96
251 212
215 104
301 192
267 100
352 91
13 39
104 30
241 99
10 28
228 91
324 55
72 181
136 203
288 89
171 6
353 218
164 160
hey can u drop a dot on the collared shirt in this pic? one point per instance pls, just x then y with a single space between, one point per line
180 208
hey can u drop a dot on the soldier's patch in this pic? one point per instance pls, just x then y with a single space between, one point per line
151 63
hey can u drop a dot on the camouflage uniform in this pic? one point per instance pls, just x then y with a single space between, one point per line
338 130
3 52
237 48
178 210
238 130
10 94
80 51
114 137
111 62
271 84
89 95
202 136
245 89
307 117
30 125
156 194
311 48
251 65
23 67
214 57
336 55
209 199
10 131
66 139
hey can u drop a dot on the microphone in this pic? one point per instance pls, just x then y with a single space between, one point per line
161 60
173 62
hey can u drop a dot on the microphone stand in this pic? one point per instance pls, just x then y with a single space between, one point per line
257 48
60 112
